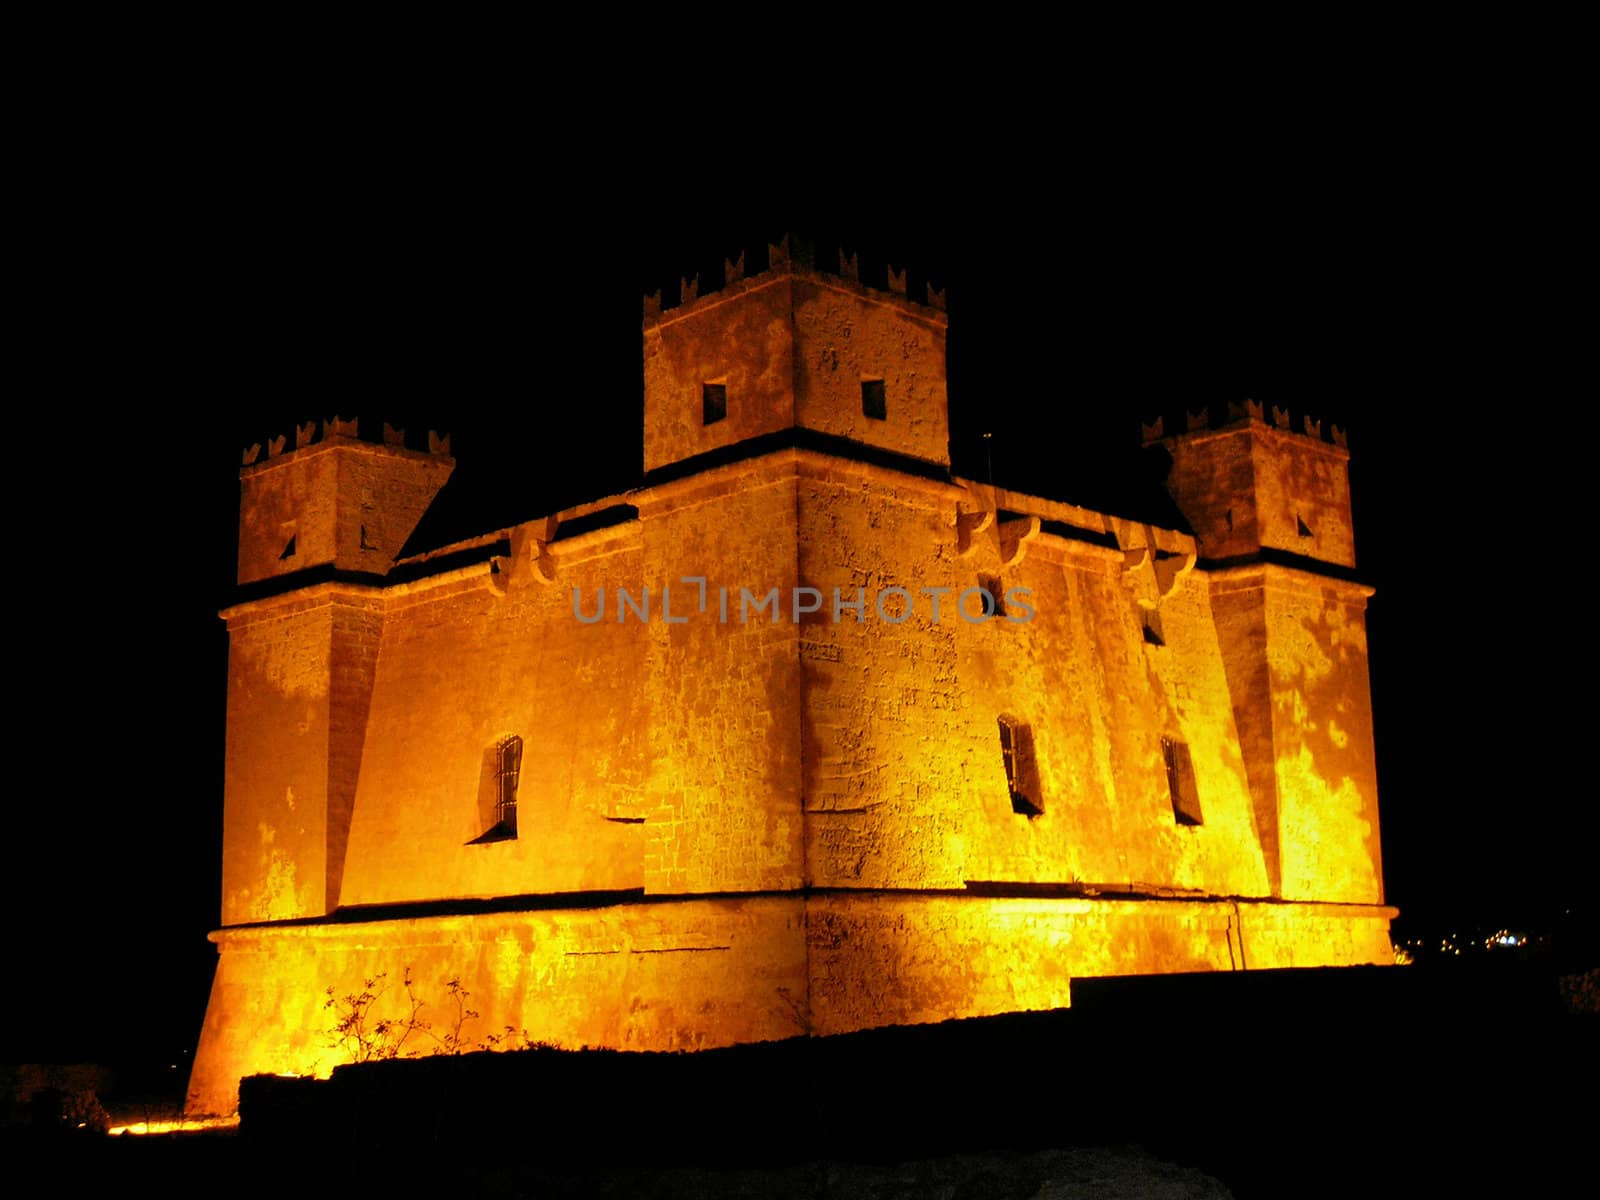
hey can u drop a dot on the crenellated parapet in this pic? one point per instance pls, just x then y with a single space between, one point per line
338 429
1236 414
790 255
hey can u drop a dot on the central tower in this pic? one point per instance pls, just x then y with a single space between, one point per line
795 349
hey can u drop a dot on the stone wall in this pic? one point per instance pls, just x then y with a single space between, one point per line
694 974
275 807
724 730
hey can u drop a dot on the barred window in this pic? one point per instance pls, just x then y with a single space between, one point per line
1180 782
500 768
508 766
1022 772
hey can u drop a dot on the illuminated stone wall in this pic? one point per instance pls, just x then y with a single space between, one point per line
724 730
463 664
275 815
1271 510
905 781
741 340
677 976
747 828
847 335
885 959
692 974
1322 726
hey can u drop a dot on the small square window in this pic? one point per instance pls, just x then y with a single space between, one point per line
991 584
713 402
1151 619
874 403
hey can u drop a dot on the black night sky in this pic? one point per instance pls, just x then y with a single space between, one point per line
192 308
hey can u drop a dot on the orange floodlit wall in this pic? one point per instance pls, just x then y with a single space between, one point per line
798 819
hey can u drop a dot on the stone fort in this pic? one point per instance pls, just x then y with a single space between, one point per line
805 734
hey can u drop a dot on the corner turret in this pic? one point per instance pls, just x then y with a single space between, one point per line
1247 483
794 348
335 500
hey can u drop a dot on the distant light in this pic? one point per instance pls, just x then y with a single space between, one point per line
182 1125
